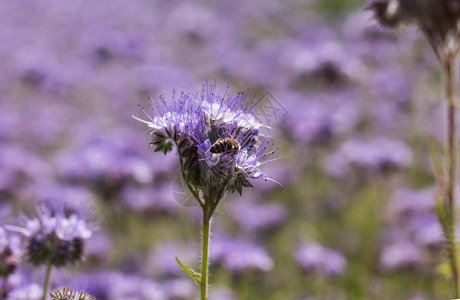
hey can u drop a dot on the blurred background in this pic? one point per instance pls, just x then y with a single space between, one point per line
351 108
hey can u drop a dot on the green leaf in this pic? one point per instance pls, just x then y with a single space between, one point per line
163 146
194 275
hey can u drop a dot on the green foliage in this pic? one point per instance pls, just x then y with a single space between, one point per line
193 274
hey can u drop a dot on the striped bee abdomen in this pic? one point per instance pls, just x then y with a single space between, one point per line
225 145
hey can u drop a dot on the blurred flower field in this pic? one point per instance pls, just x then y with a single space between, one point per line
351 107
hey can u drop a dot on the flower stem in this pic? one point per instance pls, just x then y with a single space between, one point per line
204 263
452 165
47 281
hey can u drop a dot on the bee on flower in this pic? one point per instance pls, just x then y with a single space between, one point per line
220 146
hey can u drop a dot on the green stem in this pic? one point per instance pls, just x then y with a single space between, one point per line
452 165
47 281
204 263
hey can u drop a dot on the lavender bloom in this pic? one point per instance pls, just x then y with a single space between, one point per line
28 292
217 137
315 258
163 258
111 285
53 238
401 255
19 166
323 119
407 202
240 256
179 289
221 293
376 155
427 230
252 216
156 199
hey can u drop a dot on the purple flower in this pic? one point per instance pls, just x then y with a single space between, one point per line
320 120
107 285
217 137
54 238
163 258
221 293
427 229
315 258
374 155
179 289
155 199
27 292
406 201
401 255
239 256
253 216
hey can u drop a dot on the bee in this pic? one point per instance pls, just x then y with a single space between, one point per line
225 145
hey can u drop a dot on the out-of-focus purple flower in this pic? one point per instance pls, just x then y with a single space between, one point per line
315 258
19 166
221 293
325 63
72 198
239 256
100 246
106 46
427 229
311 121
109 285
53 238
253 216
179 289
111 165
27 292
163 258
151 199
400 255
407 201
379 154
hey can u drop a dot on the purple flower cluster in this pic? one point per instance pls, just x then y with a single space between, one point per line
414 230
52 238
217 137
240 256
314 258
357 100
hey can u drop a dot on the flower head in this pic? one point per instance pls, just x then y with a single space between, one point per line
54 238
218 139
315 258
68 294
